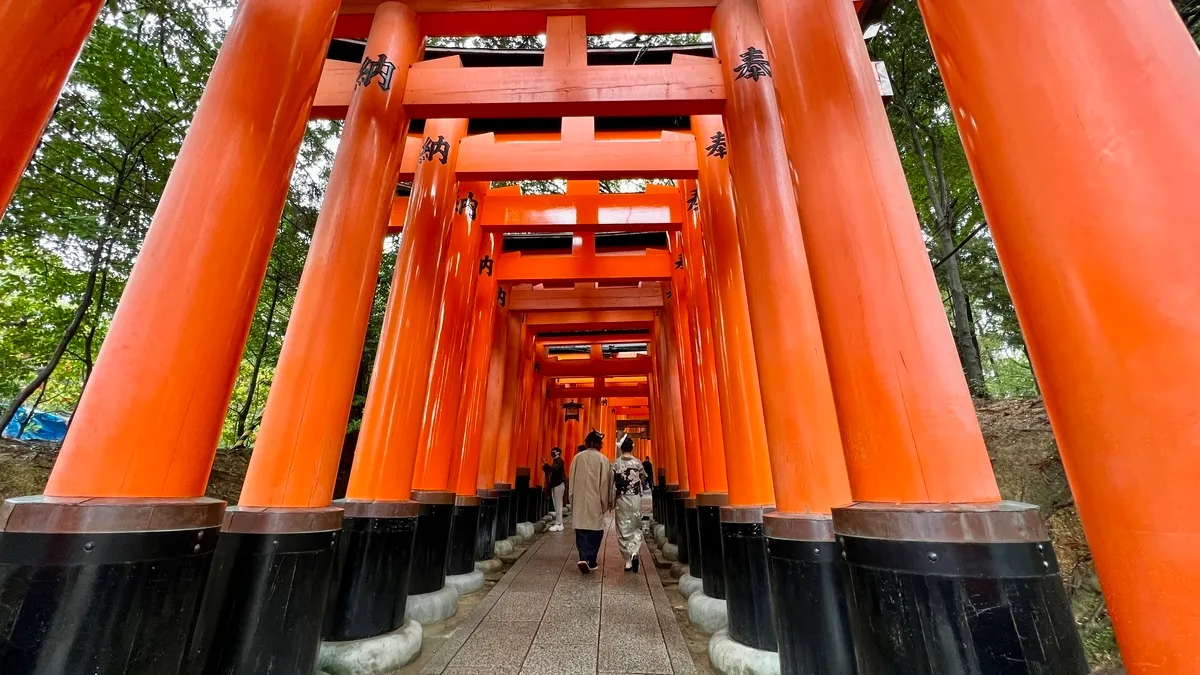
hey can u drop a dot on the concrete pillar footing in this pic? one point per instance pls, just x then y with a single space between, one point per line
678 570
689 584
660 534
502 547
730 657
670 552
431 607
539 526
525 530
489 565
708 615
466 583
380 655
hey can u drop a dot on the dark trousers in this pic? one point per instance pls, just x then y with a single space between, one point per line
588 543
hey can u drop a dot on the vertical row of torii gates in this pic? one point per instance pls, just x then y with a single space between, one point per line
780 334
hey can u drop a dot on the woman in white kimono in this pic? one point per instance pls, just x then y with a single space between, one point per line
628 478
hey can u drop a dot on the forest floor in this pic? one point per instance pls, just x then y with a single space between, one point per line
1019 440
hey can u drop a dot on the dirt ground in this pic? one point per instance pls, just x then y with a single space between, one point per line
1021 445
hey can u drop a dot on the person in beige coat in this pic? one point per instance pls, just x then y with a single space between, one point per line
591 496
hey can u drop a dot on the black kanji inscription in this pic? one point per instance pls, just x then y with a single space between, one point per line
432 148
373 68
754 65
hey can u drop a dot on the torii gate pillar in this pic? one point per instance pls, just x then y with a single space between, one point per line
1085 149
109 566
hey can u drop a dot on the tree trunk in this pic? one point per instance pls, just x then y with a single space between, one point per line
32 409
964 327
69 334
244 413
943 231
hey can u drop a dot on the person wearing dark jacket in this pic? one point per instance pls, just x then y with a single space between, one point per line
649 468
556 480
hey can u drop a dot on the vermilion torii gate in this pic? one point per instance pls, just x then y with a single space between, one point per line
817 441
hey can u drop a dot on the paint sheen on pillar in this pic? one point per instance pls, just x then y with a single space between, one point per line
704 361
475 387
173 349
801 423
505 469
495 392
438 444
299 446
387 445
908 425
41 41
748 462
1098 240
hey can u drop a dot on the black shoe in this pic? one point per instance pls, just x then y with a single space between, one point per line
592 567
584 568
634 569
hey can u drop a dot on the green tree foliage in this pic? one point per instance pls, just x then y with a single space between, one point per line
985 328
76 223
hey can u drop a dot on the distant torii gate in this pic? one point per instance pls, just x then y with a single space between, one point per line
818 442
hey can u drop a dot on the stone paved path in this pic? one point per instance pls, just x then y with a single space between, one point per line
545 618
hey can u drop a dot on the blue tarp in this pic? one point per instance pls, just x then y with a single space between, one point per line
43 427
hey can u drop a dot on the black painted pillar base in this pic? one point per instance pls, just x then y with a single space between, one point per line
369 590
660 515
812 617
432 545
681 526
671 494
956 589
534 504
691 521
748 577
504 498
102 586
655 504
520 499
464 525
265 599
708 518
485 531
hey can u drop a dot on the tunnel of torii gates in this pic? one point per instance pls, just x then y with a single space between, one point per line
768 327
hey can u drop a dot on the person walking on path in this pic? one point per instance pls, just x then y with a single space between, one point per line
591 495
649 467
556 479
629 475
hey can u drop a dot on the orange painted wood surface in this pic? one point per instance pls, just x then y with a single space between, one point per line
553 214
1101 251
299 445
41 41
646 296
557 322
465 18
484 157
584 367
517 268
537 91
173 350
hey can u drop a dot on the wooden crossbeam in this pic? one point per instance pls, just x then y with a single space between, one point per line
517 268
583 213
624 391
566 91
485 157
647 296
552 214
494 18
561 91
596 368
557 322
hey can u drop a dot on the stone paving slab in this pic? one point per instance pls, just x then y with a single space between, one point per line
545 618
